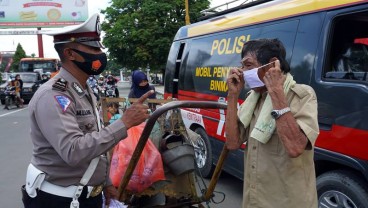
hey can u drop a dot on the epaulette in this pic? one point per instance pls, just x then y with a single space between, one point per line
60 85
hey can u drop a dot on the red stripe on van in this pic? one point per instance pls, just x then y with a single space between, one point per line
345 140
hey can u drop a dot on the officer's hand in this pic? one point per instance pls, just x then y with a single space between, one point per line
138 112
110 192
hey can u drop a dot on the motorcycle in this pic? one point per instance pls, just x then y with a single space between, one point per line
96 91
110 91
10 97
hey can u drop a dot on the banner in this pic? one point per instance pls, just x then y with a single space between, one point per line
42 13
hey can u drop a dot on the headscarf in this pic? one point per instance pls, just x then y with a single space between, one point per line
137 77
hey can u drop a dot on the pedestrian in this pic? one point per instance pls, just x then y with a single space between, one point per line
140 86
69 167
278 122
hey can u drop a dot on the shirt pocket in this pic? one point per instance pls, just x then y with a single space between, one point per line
87 124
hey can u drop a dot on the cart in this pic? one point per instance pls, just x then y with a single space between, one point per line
181 192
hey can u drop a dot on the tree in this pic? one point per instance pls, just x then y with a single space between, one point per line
139 33
18 55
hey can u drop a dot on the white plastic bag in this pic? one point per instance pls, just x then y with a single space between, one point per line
113 204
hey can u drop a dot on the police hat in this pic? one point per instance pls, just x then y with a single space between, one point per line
87 33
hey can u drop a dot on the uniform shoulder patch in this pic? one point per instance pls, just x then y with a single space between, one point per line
63 101
60 85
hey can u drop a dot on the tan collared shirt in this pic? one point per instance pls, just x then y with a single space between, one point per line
271 178
65 134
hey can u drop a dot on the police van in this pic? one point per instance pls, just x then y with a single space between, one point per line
327 48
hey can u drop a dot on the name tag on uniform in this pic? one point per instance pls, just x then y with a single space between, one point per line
84 112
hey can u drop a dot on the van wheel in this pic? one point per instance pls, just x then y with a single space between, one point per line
341 189
203 154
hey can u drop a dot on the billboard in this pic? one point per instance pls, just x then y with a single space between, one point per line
42 13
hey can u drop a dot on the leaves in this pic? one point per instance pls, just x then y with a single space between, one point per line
139 32
18 55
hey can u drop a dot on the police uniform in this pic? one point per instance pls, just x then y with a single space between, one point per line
66 136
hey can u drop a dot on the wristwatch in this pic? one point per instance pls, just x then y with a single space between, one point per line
278 113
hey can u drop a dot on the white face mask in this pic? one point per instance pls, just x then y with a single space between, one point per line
251 78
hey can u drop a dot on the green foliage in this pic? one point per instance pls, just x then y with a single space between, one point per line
112 68
139 33
19 54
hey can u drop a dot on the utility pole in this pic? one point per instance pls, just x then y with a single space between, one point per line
187 19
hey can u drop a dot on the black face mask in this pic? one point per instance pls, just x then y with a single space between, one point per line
144 87
93 64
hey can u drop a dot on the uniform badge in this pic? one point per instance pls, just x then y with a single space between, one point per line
77 88
60 85
63 101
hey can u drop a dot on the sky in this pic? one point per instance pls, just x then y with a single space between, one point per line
29 42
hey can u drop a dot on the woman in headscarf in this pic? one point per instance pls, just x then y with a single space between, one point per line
140 86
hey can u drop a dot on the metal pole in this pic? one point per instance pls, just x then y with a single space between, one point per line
40 45
187 19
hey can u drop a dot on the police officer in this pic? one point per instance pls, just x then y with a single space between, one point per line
69 167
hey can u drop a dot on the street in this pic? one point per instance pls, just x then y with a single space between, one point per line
16 150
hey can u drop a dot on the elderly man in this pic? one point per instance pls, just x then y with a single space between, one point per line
278 120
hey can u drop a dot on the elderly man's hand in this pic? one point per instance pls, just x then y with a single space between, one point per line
274 79
138 112
235 81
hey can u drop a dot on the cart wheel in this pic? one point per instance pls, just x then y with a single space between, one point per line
203 154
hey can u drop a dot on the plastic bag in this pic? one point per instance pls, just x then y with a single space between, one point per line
113 203
149 168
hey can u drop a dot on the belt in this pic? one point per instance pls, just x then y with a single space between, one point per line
69 190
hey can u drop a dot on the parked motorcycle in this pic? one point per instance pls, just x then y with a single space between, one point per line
10 98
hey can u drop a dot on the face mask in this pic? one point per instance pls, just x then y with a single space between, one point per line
93 64
251 78
143 87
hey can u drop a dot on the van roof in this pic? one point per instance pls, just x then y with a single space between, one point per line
268 11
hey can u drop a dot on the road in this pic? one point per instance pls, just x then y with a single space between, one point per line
16 150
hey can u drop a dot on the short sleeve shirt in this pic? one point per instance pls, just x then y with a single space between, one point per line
65 135
272 179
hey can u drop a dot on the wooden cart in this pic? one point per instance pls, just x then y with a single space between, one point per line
181 192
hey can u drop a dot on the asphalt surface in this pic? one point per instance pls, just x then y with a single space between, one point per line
16 151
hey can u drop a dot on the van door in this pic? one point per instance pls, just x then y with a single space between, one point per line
341 85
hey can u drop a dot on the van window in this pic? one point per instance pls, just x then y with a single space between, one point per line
349 50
